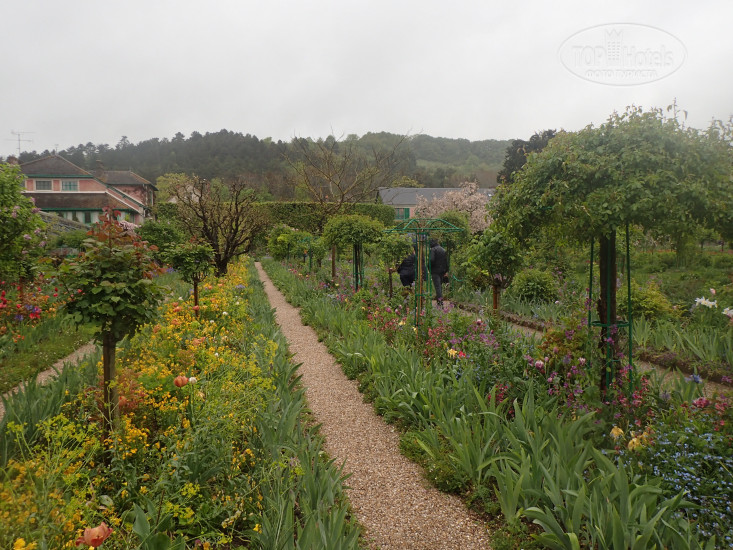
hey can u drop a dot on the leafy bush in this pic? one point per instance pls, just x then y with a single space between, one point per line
70 239
163 234
647 301
534 285
284 241
722 261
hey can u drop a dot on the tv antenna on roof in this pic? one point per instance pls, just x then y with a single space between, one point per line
20 138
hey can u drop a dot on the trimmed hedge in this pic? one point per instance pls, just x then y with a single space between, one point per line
307 215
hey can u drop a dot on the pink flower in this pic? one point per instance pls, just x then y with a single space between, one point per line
701 402
95 536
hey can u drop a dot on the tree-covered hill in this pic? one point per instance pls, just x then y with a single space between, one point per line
431 161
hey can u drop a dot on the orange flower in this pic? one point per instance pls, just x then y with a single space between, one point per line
180 381
95 536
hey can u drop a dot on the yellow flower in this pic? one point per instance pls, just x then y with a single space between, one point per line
452 352
20 544
616 432
258 528
635 443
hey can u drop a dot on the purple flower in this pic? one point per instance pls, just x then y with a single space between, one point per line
27 237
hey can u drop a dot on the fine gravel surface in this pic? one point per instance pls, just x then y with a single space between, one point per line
388 493
46 375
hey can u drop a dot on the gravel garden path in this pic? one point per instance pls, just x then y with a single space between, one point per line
388 493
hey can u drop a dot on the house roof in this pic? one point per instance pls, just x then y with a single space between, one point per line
53 165
77 201
408 196
56 166
125 177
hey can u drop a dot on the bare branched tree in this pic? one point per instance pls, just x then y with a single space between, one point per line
221 214
334 173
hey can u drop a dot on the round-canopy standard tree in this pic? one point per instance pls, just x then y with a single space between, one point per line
111 285
642 168
193 261
353 230
494 256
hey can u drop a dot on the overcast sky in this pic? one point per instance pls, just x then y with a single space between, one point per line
96 70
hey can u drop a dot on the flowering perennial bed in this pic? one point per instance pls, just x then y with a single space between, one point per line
521 428
210 451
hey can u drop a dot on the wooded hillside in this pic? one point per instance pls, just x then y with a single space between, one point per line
431 161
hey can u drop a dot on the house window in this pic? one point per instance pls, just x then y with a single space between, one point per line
43 185
87 217
402 213
69 185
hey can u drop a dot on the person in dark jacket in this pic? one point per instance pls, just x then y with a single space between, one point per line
406 270
438 261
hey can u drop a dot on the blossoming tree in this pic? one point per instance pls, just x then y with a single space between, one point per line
468 201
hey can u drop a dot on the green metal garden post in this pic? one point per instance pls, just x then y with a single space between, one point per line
629 313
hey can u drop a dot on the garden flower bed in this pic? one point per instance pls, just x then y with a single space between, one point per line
522 429
210 452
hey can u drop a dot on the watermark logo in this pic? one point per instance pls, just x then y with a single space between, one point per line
622 54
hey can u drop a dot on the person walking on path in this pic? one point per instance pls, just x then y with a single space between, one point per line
406 270
438 262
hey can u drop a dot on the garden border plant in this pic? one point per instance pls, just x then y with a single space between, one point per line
534 439
212 447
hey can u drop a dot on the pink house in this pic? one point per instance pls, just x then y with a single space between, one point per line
60 187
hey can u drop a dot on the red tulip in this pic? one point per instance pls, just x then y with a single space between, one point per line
95 536
180 381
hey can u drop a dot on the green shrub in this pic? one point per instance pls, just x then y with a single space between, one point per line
722 261
647 301
164 234
534 285
70 239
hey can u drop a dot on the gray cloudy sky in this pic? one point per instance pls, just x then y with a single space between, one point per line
75 71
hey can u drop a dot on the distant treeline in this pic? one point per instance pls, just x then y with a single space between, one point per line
430 161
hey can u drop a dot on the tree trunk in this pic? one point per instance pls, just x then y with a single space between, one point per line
607 308
333 263
111 402
495 291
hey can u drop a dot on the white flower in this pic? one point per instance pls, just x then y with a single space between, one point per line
728 311
192 380
699 301
216 354
212 321
712 291
224 313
